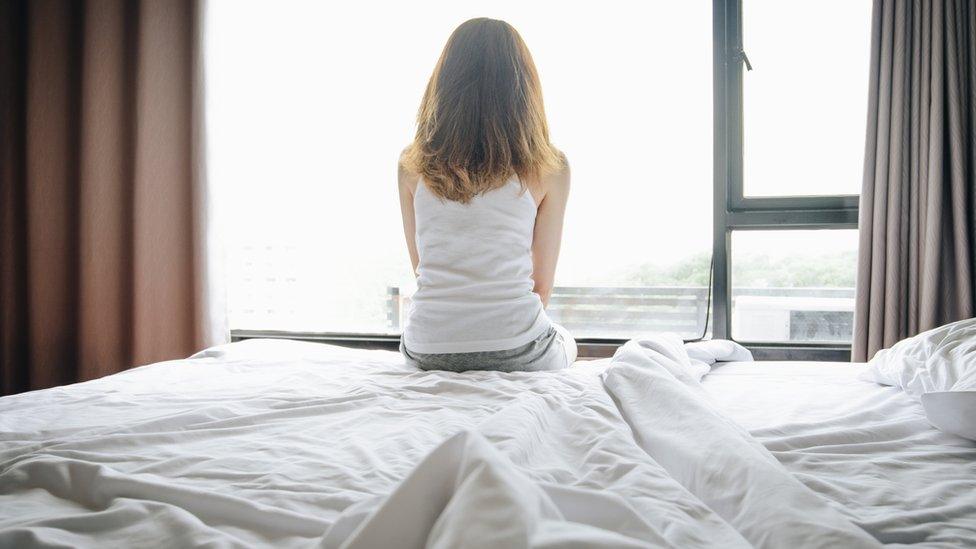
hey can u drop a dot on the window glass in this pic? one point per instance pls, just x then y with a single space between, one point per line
310 103
805 101
793 286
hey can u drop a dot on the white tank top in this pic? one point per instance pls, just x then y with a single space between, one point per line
474 285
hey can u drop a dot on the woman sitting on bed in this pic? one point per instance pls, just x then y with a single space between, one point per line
483 194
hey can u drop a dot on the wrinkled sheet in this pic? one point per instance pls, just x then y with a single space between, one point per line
291 444
867 449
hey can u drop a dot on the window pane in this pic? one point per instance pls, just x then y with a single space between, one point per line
805 102
306 124
793 286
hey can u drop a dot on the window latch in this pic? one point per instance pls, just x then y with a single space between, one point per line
745 59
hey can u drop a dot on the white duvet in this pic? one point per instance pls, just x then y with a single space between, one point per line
288 444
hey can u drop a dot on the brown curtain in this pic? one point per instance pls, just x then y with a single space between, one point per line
100 228
917 260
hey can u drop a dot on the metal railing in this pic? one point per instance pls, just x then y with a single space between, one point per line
776 314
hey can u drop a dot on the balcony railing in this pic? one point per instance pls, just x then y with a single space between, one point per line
759 314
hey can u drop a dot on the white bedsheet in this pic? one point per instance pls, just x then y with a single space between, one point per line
297 445
867 448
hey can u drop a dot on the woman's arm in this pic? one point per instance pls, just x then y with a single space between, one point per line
407 183
549 232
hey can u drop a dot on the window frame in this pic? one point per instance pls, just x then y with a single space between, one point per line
731 209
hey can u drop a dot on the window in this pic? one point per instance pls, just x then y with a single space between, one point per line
307 120
791 109
793 286
805 104
686 167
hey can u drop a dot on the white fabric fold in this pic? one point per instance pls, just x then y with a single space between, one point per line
714 458
466 494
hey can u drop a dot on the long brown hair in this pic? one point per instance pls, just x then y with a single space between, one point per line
481 120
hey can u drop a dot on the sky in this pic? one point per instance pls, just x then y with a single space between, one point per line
309 104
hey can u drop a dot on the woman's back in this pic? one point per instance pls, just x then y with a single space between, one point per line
483 245
474 284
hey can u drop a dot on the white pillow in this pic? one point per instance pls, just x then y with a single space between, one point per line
933 363
941 359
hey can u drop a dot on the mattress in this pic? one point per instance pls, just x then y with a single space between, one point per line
289 444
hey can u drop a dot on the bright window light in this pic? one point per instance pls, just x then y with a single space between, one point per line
805 102
310 103
793 286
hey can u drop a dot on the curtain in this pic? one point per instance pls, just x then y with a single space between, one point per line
917 259
103 263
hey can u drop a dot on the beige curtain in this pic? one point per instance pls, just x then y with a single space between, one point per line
917 260
101 228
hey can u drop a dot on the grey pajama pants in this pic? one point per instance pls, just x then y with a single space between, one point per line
553 350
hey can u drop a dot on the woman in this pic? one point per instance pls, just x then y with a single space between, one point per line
483 195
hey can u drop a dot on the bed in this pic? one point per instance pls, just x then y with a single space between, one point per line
293 444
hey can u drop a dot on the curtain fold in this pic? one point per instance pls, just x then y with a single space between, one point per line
917 258
102 262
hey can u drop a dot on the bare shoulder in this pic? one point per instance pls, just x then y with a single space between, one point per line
554 183
558 181
406 178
